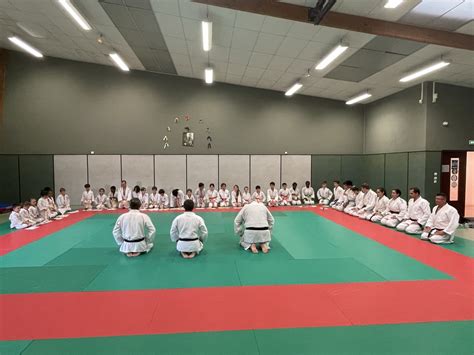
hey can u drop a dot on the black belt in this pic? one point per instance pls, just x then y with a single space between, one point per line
188 239
414 220
394 212
256 228
135 240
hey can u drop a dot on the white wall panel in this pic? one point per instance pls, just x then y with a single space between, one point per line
202 168
138 170
234 170
70 172
104 171
170 172
296 168
264 169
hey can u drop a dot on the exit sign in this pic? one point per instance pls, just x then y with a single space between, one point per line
471 141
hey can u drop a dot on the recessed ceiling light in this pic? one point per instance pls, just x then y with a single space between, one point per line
336 52
206 35
358 98
293 89
392 4
209 75
25 46
425 71
76 15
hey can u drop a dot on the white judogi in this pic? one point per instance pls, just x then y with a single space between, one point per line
44 208
34 214
444 219
187 197
212 198
370 199
295 196
394 212
246 198
272 197
101 201
143 197
223 198
348 201
308 195
16 222
177 201
236 201
338 192
63 203
136 194
189 232
113 199
358 204
339 203
324 195
25 216
258 196
415 216
52 207
255 215
200 196
153 199
87 199
380 207
134 232
163 201
124 196
285 197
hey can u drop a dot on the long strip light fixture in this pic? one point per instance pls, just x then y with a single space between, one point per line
25 46
293 89
392 4
75 14
358 98
119 61
206 35
336 52
209 75
425 71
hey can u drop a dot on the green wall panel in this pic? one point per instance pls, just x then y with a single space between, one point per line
374 172
9 181
325 167
352 168
36 172
416 170
396 172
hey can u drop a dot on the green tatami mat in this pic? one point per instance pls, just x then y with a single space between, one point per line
5 228
47 279
420 338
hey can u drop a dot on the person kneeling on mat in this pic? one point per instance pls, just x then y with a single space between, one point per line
189 232
442 223
254 224
134 232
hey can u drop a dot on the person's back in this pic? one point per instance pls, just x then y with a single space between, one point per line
254 224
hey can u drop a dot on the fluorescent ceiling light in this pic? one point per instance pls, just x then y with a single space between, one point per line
209 75
72 11
293 89
424 71
336 52
206 35
119 61
25 46
391 4
358 98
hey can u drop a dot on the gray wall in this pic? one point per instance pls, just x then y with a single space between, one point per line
455 105
396 123
58 106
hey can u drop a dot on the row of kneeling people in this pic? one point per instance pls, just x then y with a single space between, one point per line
202 197
134 231
437 225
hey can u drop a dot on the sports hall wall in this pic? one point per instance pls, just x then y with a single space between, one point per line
58 107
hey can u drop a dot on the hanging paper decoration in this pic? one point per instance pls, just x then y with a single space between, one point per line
187 118
165 138
166 145
169 129
176 119
209 146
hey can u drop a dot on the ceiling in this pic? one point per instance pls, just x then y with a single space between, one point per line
248 49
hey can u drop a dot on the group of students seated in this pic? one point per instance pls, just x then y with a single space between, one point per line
437 225
33 213
210 198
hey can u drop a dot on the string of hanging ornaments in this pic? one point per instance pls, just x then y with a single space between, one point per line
187 134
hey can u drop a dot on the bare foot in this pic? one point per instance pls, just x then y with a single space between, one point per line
264 248
191 255
254 249
184 255
131 255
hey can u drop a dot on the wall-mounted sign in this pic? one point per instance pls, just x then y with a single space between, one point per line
454 179
471 141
